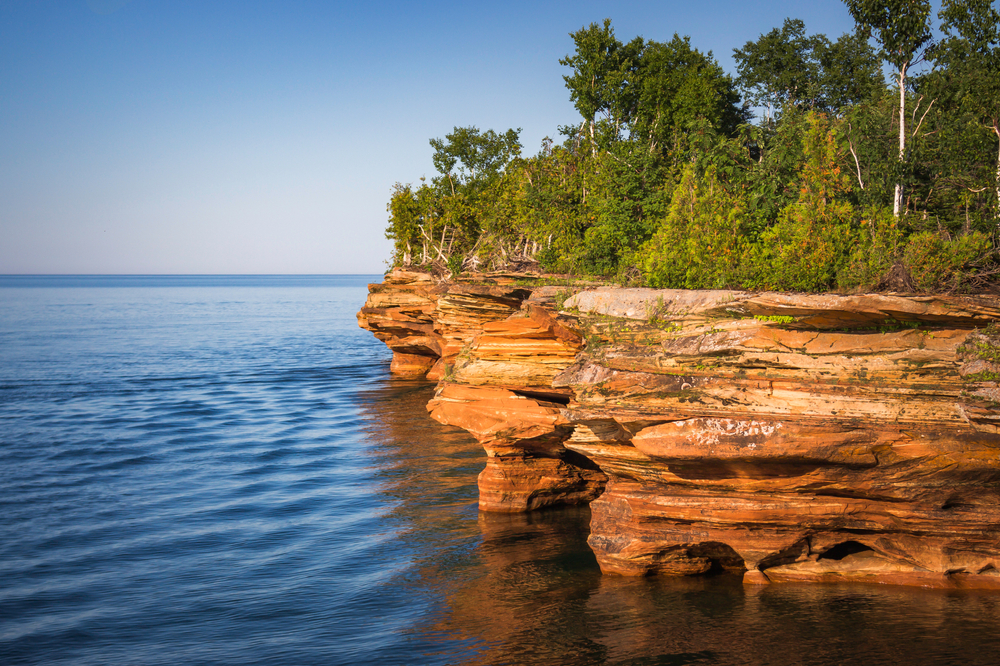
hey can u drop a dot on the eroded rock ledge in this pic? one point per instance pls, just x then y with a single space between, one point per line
789 437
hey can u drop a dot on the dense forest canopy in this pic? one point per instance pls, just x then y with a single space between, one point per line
808 171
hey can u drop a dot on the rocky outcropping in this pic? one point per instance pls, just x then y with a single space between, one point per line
788 437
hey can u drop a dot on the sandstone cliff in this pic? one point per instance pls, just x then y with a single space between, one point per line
789 437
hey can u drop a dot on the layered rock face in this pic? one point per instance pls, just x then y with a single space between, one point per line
789 437
502 392
496 347
426 321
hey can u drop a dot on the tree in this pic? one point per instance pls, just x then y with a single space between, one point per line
971 54
850 73
679 85
602 82
787 66
809 244
701 241
902 30
780 68
480 156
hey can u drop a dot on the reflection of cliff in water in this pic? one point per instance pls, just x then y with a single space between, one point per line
427 471
417 457
542 600
525 588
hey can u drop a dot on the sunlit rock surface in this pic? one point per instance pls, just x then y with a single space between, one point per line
790 437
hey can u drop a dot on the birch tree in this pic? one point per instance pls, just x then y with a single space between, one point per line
902 30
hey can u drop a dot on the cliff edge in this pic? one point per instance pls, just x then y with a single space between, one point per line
790 437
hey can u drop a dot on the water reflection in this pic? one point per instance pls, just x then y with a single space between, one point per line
525 589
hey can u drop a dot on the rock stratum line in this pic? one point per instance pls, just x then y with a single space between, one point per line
794 438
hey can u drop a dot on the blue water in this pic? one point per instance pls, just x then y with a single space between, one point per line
219 470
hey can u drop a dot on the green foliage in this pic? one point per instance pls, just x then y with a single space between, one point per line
970 60
778 319
679 86
771 180
645 90
479 156
603 72
629 194
900 27
877 244
454 264
701 243
413 216
937 264
983 345
664 182
781 67
809 244
850 73
985 376
788 68
902 30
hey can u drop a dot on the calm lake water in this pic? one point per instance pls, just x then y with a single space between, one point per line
219 470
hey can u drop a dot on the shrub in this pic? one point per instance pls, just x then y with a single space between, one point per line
876 246
701 243
937 264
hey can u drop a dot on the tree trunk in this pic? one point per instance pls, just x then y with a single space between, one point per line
996 212
897 200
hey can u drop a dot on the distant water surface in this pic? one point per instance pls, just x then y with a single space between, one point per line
219 470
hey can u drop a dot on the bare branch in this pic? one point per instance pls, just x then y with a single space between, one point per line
916 107
922 118
857 165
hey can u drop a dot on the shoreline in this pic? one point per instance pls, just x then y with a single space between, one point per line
788 437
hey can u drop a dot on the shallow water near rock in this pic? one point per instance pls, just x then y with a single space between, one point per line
219 470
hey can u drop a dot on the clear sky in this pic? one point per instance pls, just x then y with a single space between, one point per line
216 136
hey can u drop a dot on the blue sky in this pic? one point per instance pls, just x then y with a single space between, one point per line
174 136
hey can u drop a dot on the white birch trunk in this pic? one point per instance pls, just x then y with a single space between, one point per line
897 199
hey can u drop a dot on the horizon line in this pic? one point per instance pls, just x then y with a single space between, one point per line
184 274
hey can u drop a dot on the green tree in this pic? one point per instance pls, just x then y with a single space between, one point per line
780 68
701 241
415 225
971 53
809 244
850 73
470 158
679 85
603 79
903 32
789 67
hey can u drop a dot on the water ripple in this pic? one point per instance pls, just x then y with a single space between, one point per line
224 474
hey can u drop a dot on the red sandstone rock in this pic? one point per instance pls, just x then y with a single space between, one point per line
400 312
416 314
526 350
528 467
410 365
792 437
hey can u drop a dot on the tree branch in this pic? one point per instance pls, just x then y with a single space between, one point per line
857 165
922 117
